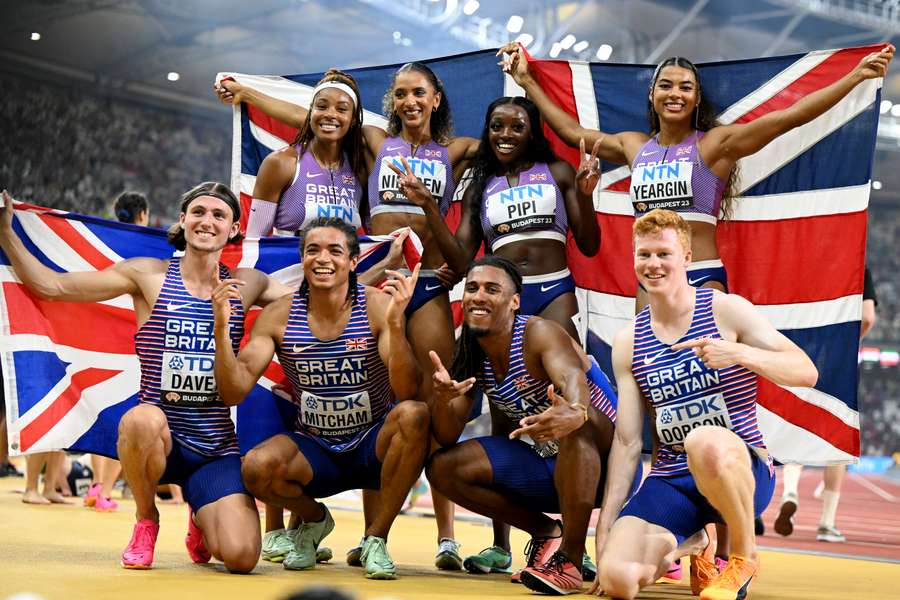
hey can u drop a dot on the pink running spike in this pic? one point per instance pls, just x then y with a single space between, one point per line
105 504
194 541
139 552
91 497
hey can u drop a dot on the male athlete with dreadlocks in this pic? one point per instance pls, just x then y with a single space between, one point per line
344 349
564 410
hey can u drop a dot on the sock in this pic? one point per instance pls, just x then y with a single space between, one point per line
829 508
790 474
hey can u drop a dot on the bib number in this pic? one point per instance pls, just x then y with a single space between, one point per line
674 423
188 379
664 185
522 208
335 417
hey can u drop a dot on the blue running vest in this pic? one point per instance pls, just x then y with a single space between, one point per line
683 393
177 348
341 387
520 395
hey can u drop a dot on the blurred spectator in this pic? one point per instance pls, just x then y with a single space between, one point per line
71 150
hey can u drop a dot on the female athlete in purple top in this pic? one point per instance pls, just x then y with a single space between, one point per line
419 130
321 173
521 202
687 162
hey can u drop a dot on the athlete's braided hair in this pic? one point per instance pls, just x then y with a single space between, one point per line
704 120
486 164
468 356
353 143
352 246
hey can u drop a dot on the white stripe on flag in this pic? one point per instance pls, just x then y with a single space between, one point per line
247 183
790 145
94 241
272 142
796 205
827 402
804 315
511 88
774 86
50 244
608 314
585 99
791 444
771 207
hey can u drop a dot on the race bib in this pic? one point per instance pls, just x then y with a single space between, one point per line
674 423
335 417
663 185
432 174
521 208
188 379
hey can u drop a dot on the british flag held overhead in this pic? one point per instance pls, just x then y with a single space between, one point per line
69 368
795 245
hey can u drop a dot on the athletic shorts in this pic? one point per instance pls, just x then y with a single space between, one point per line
335 472
538 291
675 503
526 478
704 271
203 479
427 288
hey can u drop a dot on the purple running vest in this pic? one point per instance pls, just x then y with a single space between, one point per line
532 209
176 348
676 178
430 163
319 192
684 393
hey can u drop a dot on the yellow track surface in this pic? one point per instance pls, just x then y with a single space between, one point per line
70 552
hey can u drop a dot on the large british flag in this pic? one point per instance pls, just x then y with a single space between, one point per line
69 368
795 245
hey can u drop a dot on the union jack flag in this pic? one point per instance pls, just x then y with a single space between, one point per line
780 247
357 344
69 368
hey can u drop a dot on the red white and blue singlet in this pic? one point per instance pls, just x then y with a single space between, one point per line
341 387
520 395
683 393
176 348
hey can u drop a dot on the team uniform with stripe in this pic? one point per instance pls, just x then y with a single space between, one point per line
684 394
318 192
342 391
532 209
525 470
677 178
430 162
176 348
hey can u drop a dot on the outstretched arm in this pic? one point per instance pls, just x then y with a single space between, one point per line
232 92
732 142
618 148
88 286
626 447
758 345
236 375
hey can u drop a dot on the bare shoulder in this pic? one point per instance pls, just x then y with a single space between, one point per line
273 317
623 341
142 267
631 142
562 171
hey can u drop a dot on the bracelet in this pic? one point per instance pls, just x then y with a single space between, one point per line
582 407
